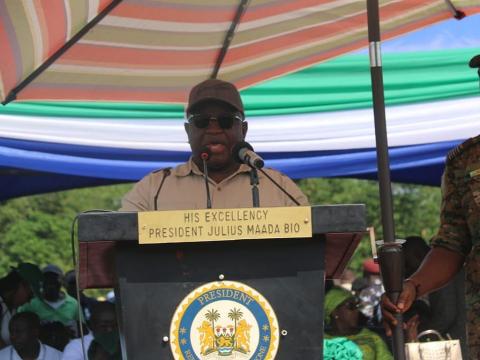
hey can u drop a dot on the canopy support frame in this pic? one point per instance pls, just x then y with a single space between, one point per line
12 95
242 7
390 253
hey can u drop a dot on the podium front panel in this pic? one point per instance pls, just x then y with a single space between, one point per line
154 279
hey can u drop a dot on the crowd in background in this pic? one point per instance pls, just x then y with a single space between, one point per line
42 319
353 317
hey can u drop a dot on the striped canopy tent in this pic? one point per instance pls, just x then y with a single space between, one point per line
155 50
314 122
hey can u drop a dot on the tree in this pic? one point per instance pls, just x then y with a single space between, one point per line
235 315
416 208
212 315
37 228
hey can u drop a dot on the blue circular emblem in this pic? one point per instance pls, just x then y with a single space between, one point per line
224 320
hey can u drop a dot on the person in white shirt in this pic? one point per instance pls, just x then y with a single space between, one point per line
24 329
103 320
74 351
16 289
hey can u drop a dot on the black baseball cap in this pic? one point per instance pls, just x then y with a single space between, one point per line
215 89
475 62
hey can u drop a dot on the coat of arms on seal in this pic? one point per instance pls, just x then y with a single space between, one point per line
224 320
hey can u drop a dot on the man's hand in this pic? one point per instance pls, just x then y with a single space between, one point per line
389 309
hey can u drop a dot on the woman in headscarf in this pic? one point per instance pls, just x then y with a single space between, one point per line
342 320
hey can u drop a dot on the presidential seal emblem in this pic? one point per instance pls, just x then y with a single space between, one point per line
224 320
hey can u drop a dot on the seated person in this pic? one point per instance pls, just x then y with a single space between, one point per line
16 289
86 303
55 334
342 321
370 295
24 330
103 334
53 304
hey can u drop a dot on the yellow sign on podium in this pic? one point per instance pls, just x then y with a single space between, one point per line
178 226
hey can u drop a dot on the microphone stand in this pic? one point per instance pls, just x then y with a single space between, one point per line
254 183
243 153
205 157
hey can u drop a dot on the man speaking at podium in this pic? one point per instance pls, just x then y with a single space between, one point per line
215 126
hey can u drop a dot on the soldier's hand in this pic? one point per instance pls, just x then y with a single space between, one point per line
389 309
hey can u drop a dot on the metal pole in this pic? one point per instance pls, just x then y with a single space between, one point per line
12 95
242 7
390 254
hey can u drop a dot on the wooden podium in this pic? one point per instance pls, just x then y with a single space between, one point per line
161 287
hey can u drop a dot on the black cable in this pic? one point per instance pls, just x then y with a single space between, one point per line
280 187
76 265
166 172
72 231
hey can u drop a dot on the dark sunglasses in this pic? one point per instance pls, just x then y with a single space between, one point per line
225 121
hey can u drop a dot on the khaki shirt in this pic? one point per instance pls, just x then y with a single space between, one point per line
184 188
460 226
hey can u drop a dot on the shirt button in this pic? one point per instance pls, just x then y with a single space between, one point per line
219 188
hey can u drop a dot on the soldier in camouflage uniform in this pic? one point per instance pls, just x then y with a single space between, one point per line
457 243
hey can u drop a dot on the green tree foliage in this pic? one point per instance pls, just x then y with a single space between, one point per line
416 208
37 228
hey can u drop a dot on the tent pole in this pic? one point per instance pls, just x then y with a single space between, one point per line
242 7
390 253
12 95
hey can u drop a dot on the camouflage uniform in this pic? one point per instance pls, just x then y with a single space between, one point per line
460 226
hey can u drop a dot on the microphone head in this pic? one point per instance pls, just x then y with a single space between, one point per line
205 153
259 163
236 150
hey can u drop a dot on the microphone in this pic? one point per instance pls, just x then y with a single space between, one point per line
205 155
243 153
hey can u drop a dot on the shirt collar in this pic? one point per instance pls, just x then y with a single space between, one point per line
41 354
